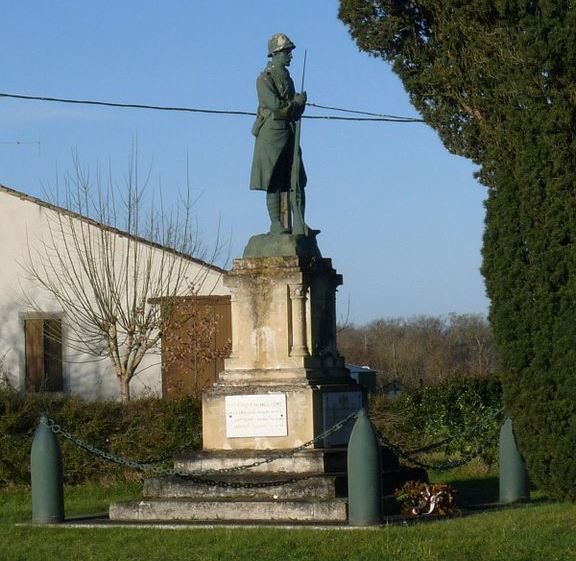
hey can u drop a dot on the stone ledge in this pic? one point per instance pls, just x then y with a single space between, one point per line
319 486
186 509
310 372
315 460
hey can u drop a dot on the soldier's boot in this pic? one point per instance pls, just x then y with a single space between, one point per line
273 204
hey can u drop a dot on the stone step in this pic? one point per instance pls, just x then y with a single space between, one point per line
242 510
321 487
315 460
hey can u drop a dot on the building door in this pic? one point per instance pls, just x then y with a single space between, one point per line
195 344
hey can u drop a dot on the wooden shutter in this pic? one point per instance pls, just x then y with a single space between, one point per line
34 335
43 342
53 355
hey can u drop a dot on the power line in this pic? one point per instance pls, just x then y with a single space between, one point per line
124 105
373 119
381 115
371 116
21 142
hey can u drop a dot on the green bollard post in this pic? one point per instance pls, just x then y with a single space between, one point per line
364 474
513 476
46 476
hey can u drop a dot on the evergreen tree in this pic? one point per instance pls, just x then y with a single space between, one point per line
497 80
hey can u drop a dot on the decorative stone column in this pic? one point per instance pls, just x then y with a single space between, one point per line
298 298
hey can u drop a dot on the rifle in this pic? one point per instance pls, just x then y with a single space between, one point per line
296 190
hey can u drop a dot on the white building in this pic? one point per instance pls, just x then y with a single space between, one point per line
35 347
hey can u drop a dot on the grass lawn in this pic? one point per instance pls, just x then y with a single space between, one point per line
542 531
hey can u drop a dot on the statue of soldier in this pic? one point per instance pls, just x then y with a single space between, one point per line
279 107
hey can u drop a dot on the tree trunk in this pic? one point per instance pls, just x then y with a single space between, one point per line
124 384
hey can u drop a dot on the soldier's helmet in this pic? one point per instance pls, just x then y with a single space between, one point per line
279 42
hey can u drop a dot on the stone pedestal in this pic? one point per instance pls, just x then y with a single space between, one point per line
284 382
283 385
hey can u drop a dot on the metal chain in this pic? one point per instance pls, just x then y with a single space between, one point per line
341 424
170 454
57 429
470 430
200 477
409 456
436 467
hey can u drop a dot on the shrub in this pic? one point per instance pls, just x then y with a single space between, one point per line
422 417
138 430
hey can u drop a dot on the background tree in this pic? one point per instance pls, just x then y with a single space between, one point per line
118 269
423 351
496 80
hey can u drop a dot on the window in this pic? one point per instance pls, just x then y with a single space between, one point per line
43 354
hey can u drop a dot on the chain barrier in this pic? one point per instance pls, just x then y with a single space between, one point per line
436 467
147 466
170 454
136 464
151 465
469 431
339 425
409 456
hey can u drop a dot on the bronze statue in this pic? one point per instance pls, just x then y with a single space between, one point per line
275 152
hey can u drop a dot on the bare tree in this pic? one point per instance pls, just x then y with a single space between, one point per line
5 377
116 269
423 350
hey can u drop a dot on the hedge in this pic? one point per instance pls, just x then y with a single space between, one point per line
137 430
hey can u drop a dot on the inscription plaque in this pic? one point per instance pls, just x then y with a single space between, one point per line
256 415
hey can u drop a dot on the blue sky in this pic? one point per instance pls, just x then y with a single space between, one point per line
401 218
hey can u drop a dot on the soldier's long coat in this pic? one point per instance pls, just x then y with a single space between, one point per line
274 131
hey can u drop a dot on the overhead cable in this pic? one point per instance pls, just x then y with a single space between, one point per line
124 105
371 116
381 115
19 142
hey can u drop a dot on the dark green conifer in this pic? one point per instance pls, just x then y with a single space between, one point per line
497 80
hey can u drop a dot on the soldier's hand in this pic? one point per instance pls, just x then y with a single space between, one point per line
301 98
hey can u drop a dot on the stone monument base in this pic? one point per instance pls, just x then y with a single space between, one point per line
309 486
268 452
305 487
